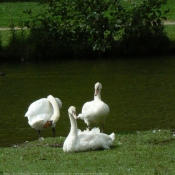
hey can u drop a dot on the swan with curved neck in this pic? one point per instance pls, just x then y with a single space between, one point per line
78 141
94 113
43 113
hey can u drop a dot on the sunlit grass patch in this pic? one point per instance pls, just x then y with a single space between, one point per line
146 152
169 5
170 31
7 34
13 12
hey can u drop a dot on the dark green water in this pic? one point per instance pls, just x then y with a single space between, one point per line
139 92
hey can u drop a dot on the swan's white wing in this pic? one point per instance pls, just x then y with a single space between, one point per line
94 131
37 122
85 141
94 113
87 131
38 107
86 106
39 112
93 142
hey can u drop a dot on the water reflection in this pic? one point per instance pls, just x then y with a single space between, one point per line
139 93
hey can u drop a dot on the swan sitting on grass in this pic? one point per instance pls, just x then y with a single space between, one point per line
78 141
43 113
94 113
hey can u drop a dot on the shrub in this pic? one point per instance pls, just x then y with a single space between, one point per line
17 48
144 32
90 27
76 26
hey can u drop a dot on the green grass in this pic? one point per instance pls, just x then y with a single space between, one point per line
132 153
5 34
170 31
12 12
170 5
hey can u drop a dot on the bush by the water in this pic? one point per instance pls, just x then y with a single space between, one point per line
145 32
91 27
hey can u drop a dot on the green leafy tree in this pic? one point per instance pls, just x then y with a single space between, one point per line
75 25
71 27
144 30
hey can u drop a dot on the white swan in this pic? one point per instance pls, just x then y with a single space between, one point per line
78 141
94 113
43 113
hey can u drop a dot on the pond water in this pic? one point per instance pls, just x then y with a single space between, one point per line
140 93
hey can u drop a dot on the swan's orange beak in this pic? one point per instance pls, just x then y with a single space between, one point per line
75 116
48 123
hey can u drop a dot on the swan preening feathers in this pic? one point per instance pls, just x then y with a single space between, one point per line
46 112
94 113
78 141
43 113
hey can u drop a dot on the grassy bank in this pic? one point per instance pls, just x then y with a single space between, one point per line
132 153
13 12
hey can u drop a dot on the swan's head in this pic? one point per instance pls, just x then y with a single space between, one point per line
98 88
59 102
72 112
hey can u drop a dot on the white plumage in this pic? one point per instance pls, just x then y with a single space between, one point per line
78 141
43 113
94 113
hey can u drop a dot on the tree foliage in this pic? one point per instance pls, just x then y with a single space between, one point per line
144 31
73 27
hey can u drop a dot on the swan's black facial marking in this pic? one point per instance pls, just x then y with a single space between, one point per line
96 91
73 113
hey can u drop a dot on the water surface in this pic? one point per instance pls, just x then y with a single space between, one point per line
140 93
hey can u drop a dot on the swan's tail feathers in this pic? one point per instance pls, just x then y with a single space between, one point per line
95 130
112 136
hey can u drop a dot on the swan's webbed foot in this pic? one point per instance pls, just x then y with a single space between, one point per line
41 138
53 130
39 134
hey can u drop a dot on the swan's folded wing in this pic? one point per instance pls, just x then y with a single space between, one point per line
87 131
89 142
95 131
38 107
86 106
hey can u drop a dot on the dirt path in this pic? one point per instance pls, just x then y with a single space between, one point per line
169 22
18 28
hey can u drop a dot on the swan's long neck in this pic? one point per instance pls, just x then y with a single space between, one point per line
97 95
73 130
56 111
